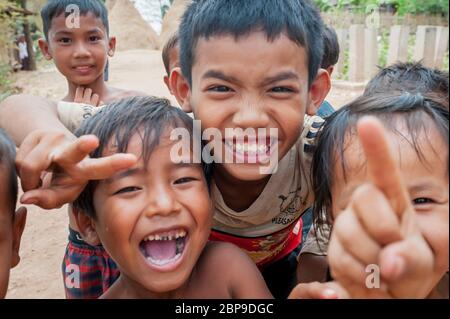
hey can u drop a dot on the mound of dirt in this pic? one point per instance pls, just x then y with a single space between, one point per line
110 4
131 30
172 20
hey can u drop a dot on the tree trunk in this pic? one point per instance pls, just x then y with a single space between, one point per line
27 33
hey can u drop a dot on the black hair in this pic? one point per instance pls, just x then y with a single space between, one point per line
170 44
7 165
409 77
299 19
150 117
331 48
415 110
54 8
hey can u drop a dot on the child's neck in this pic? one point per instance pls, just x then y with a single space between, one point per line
98 87
239 195
126 288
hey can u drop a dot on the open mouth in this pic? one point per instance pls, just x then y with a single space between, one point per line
252 151
165 248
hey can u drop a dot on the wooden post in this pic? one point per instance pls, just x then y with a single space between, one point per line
342 35
356 53
371 56
398 44
425 48
441 46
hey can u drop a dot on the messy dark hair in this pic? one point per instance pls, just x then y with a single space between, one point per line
409 77
331 48
7 166
150 117
418 112
299 19
54 8
170 44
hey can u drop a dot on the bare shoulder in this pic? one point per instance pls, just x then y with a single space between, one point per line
222 252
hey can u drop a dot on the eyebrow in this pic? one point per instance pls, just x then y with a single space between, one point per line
423 186
214 74
288 75
69 32
127 173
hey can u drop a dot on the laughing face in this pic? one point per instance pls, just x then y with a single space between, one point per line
154 219
251 83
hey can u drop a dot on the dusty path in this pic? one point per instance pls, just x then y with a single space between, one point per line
39 272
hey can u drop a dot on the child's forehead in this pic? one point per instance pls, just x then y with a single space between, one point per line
88 22
419 151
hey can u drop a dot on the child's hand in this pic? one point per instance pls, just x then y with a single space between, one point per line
55 168
86 96
317 290
379 228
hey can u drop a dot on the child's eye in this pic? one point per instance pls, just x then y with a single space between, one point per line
422 201
65 40
94 38
184 180
220 89
281 89
127 190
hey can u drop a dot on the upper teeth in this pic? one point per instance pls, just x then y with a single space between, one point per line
167 236
249 148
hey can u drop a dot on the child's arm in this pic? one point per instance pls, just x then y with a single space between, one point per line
317 290
378 229
46 145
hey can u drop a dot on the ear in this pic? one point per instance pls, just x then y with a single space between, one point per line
45 49
112 46
330 70
19 224
86 226
181 90
167 82
318 91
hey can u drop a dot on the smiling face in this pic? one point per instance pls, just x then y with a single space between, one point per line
250 83
80 54
154 219
426 180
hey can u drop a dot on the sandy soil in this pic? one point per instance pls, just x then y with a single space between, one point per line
39 272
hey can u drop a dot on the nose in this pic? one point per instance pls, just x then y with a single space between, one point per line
161 201
251 114
81 51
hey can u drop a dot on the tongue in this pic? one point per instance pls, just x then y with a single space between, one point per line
161 249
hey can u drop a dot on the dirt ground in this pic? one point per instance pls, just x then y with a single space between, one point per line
39 273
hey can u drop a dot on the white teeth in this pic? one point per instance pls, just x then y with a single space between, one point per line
167 236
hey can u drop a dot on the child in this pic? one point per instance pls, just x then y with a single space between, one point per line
242 69
81 54
171 58
154 219
388 208
12 223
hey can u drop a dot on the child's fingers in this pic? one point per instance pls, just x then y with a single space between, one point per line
407 265
95 99
314 290
345 269
354 238
383 169
51 198
87 96
375 214
105 167
75 152
79 93
31 167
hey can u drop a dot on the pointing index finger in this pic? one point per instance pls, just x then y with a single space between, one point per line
382 167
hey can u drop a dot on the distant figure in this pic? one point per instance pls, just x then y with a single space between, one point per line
23 53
